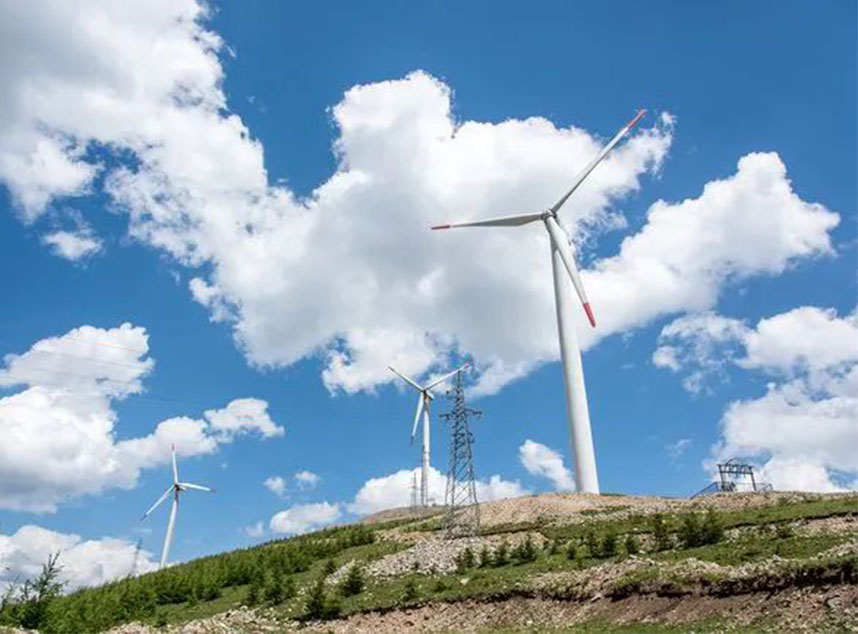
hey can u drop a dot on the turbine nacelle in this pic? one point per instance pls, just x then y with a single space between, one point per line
559 238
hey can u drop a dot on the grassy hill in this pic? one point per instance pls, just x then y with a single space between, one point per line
553 562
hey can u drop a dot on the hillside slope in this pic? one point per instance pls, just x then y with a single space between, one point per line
552 562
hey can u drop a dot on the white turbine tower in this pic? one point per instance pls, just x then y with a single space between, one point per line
562 257
176 489
424 398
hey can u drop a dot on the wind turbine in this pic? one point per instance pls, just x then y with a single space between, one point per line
176 489
424 398
562 256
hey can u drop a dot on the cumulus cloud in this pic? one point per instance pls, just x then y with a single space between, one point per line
394 490
302 518
83 562
143 80
805 426
255 531
276 485
544 462
307 479
59 424
73 245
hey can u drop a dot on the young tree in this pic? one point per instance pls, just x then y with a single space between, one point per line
353 583
660 533
592 545
314 605
609 544
485 557
631 544
410 591
501 556
330 567
712 530
37 595
571 550
690 532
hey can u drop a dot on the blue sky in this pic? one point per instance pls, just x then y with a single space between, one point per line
737 80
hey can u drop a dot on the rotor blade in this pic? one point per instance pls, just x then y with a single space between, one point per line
503 221
405 378
561 242
198 487
446 376
158 503
599 157
420 403
175 469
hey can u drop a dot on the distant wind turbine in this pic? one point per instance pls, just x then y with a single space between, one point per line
562 256
176 489
424 398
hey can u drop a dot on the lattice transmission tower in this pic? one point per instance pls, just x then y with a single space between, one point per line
463 511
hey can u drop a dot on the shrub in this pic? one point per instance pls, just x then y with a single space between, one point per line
571 551
690 532
314 605
609 545
330 567
631 544
784 531
501 557
353 583
527 551
440 586
485 558
592 544
410 591
712 530
660 533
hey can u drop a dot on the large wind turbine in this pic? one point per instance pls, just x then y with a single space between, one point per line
424 398
176 489
562 257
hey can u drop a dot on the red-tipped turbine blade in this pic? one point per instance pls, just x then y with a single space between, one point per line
589 312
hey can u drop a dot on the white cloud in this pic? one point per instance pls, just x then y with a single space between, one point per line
60 425
243 416
307 479
73 245
143 79
544 462
676 449
806 424
255 531
302 518
394 490
276 485
83 562
705 341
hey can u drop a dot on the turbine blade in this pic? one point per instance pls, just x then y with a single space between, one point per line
420 405
446 376
198 487
561 242
599 157
503 221
410 382
175 469
157 504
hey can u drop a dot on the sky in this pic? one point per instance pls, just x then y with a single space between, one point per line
214 235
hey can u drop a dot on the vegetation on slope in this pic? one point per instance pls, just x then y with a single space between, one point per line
292 579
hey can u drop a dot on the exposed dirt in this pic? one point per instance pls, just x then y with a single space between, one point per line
795 610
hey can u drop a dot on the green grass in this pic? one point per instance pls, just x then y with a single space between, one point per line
755 548
775 514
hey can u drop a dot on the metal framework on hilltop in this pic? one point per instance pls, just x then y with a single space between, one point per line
462 516
733 476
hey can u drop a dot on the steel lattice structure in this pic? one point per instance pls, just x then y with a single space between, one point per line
463 511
